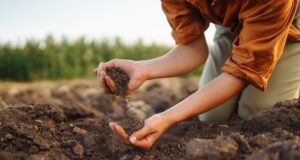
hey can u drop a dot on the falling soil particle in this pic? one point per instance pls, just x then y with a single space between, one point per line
121 80
128 121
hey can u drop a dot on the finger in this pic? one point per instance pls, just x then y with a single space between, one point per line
103 67
112 127
99 69
110 83
120 132
140 134
130 87
146 142
111 64
103 84
95 70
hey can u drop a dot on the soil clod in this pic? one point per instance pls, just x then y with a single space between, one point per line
120 79
79 131
217 149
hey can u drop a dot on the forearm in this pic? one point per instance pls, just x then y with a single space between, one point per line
210 96
180 60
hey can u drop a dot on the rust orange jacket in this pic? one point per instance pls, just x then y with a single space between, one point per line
263 27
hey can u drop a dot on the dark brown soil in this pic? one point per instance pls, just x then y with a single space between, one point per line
267 121
78 129
120 79
128 121
279 151
219 148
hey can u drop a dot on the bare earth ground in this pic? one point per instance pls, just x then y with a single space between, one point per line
69 120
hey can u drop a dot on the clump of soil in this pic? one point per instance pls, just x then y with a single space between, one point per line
128 121
284 115
45 131
280 150
120 79
219 148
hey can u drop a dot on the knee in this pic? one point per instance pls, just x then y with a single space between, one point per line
219 114
210 117
248 107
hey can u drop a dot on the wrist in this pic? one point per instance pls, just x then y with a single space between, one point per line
145 66
168 120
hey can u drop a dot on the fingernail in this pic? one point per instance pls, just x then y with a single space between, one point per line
132 139
111 124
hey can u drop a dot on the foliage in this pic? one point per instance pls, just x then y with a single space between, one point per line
48 59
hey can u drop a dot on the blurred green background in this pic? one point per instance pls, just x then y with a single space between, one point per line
54 39
48 59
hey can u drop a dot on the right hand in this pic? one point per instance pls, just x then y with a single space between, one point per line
134 69
144 138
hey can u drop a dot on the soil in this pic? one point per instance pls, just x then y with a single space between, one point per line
74 125
128 121
120 79
219 148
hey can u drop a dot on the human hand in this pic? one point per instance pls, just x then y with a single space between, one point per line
134 69
144 138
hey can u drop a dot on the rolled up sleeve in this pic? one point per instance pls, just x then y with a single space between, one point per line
186 21
258 47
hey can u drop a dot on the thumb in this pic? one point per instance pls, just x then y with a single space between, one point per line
146 142
134 83
131 86
98 69
140 134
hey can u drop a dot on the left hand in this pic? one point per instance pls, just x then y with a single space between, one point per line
145 137
136 70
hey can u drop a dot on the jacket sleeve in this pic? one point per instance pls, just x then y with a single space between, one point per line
258 47
186 21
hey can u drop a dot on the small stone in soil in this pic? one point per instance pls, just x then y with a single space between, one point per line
79 131
8 136
78 150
